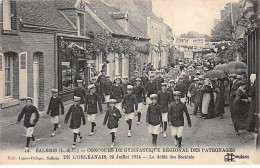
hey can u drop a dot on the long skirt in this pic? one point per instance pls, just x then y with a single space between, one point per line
251 117
220 102
205 103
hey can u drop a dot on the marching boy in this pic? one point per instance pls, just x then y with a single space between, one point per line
129 105
176 119
117 92
31 117
112 118
153 118
164 100
92 100
54 110
77 114
139 92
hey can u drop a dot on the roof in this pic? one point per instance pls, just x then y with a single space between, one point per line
103 12
108 15
31 12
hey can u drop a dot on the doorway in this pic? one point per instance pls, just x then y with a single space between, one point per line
36 80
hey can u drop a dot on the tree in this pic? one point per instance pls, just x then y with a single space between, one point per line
223 30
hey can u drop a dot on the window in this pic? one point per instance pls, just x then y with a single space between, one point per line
80 24
8 75
6 15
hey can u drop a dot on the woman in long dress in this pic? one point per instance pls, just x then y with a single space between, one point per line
226 92
208 110
252 99
220 99
241 108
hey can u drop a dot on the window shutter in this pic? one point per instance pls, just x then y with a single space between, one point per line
1 77
14 18
22 75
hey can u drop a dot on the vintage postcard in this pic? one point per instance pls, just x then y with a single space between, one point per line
125 82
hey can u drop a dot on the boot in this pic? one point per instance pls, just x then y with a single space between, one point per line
179 142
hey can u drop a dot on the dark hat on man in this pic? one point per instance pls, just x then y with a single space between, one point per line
29 98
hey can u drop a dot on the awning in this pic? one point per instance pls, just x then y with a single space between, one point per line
73 37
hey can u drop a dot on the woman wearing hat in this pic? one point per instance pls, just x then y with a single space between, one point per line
220 99
252 99
31 117
208 110
241 107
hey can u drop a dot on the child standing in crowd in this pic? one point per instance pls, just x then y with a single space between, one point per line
117 92
77 114
139 92
107 89
129 105
112 118
31 117
92 100
80 91
176 119
54 110
164 100
153 118
151 87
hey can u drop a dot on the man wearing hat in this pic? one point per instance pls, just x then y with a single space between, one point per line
125 83
91 108
144 78
151 86
101 80
192 90
54 110
130 106
176 119
97 86
139 92
112 119
159 80
80 91
154 118
234 85
133 81
107 89
31 117
171 89
180 86
76 113
117 92
164 100
198 99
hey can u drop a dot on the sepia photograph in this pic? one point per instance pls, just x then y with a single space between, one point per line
129 82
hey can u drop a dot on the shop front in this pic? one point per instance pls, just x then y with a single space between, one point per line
72 63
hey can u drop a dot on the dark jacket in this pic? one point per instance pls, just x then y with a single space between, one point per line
98 89
125 86
234 88
108 87
170 90
192 89
129 102
76 113
27 113
117 92
199 94
159 81
101 80
80 92
154 114
175 115
110 119
151 88
182 87
144 79
54 106
133 81
91 103
164 100
139 92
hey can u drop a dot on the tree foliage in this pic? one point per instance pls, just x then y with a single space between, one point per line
222 31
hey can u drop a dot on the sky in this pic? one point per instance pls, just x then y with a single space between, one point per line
189 15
